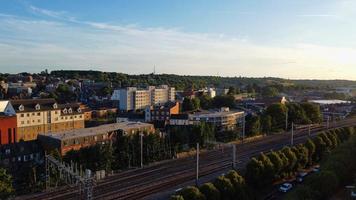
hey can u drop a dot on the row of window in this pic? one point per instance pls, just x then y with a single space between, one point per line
56 119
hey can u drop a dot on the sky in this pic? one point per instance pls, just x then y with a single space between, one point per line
296 39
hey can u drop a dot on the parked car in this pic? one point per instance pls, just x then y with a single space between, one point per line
301 176
316 168
285 187
353 194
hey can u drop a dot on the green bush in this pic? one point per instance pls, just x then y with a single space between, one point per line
176 197
225 187
191 193
210 191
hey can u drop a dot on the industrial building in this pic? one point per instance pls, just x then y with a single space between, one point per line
77 139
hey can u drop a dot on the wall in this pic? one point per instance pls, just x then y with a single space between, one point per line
6 123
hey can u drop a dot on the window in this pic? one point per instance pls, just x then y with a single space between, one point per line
22 115
9 131
28 121
38 114
38 120
28 114
56 112
33 114
19 159
7 151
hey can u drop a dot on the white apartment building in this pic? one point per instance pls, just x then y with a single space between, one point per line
132 98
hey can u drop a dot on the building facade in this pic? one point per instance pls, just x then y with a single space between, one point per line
161 112
132 98
8 124
36 116
74 140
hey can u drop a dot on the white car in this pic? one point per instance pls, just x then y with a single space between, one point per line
301 176
285 187
353 194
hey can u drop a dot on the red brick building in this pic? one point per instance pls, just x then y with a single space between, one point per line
8 129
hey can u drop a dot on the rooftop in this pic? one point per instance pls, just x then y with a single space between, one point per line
84 132
203 114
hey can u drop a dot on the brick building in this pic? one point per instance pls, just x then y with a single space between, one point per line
36 116
8 125
77 139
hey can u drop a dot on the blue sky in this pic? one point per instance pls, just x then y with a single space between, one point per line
282 38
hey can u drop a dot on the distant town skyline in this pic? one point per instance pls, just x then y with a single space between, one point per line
289 39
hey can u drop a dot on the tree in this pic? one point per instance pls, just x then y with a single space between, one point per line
309 144
254 172
6 189
312 111
225 187
277 163
187 104
176 197
232 91
292 159
253 125
239 185
297 114
320 148
324 184
270 92
302 156
266 123
205 102
278 114
268 171
196 103
210 192
192 193
224 101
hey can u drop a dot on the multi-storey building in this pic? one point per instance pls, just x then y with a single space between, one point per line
222 120
77 139
36 116
161 112
132 98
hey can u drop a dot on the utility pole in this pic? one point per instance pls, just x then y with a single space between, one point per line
243 128
233 156
197 166
287 120
141 139
327 122
292 139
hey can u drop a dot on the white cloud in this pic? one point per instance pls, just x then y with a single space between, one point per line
32 45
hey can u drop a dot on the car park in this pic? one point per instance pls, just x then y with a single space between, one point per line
285 187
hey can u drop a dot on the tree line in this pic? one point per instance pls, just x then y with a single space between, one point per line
262 171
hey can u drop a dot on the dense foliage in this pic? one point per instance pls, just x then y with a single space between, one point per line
228 187
337 169
6 189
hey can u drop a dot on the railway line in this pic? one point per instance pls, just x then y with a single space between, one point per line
165 176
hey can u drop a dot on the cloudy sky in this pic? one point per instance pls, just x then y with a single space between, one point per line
255 38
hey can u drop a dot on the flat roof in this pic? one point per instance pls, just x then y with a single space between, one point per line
217 114
329 102
84 132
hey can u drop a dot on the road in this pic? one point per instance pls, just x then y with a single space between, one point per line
160 180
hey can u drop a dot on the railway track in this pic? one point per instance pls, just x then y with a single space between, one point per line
141 183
